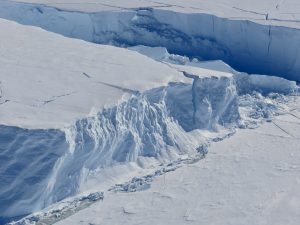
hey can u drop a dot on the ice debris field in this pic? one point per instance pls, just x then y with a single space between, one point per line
108 105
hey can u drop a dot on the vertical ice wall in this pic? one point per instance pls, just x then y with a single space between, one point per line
244 45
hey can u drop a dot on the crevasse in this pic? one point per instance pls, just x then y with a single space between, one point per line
245 45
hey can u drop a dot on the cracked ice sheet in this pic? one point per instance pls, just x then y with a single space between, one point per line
270 12
48 81
250 178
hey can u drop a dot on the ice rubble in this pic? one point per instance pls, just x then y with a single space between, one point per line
245 45
61 210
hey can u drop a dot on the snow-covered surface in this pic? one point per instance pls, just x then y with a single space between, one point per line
271 12
119 112
78 118
48 81
250 178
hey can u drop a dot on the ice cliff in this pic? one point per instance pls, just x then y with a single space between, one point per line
155 124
